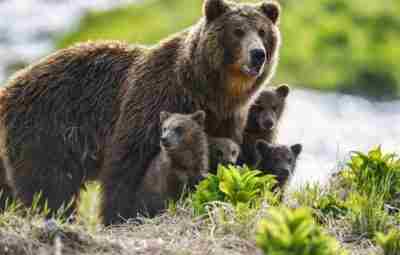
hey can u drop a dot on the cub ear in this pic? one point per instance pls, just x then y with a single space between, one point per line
263 146
199 117
283 91
296 149
272 10
164 115
212 9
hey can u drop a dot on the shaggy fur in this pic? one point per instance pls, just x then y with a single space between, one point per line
276 159
182 162
263 122
96 105
5 189
222 151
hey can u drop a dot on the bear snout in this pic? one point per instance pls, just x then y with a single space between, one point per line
257 58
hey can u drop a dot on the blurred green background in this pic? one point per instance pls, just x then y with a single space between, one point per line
342 45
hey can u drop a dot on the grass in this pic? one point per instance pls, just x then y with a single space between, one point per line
341 218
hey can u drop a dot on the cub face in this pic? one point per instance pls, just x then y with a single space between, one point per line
222 151
267 110
179 130
278 160
181 137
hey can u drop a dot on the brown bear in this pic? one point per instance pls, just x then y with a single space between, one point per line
182 162
276 159
5 189
222 151
94 107
262 121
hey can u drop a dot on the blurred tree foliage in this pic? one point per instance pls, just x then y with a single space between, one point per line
350 46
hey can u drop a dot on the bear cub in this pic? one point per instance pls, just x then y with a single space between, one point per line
276 159
262 121
182 162
222 151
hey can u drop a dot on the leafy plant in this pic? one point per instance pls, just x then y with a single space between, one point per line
232 184
286 232
323 202
367 214
390 242
374 172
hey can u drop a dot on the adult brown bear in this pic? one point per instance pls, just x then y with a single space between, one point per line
96 105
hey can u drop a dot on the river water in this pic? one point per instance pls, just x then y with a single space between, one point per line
329 125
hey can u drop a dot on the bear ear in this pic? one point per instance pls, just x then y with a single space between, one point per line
262 146
272 10
164 115
212 9
283 91
296 149
199 117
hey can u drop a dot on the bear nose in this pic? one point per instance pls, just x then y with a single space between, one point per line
164 141
257 57
268 124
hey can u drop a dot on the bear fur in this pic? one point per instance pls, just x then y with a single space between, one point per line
278 160
5 189
222 151
182 162
263 121
92 110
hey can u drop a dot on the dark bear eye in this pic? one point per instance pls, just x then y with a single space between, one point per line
275 108
261 32
258 108
234 153
239 32
179 130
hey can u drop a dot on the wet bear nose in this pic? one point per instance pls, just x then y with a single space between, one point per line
164 141
257 57
268 124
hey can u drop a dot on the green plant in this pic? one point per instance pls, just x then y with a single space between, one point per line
286 232
323 202
232 184
367 215
374 172
390 242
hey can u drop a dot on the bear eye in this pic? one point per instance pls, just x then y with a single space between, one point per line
179 130
261 32
258 108
275 108
234 153
239 32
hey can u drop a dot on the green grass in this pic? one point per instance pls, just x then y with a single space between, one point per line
237 217
328 45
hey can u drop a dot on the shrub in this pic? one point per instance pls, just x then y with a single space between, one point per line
236 185
324 203
367 214
374 173
286 232
390 242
